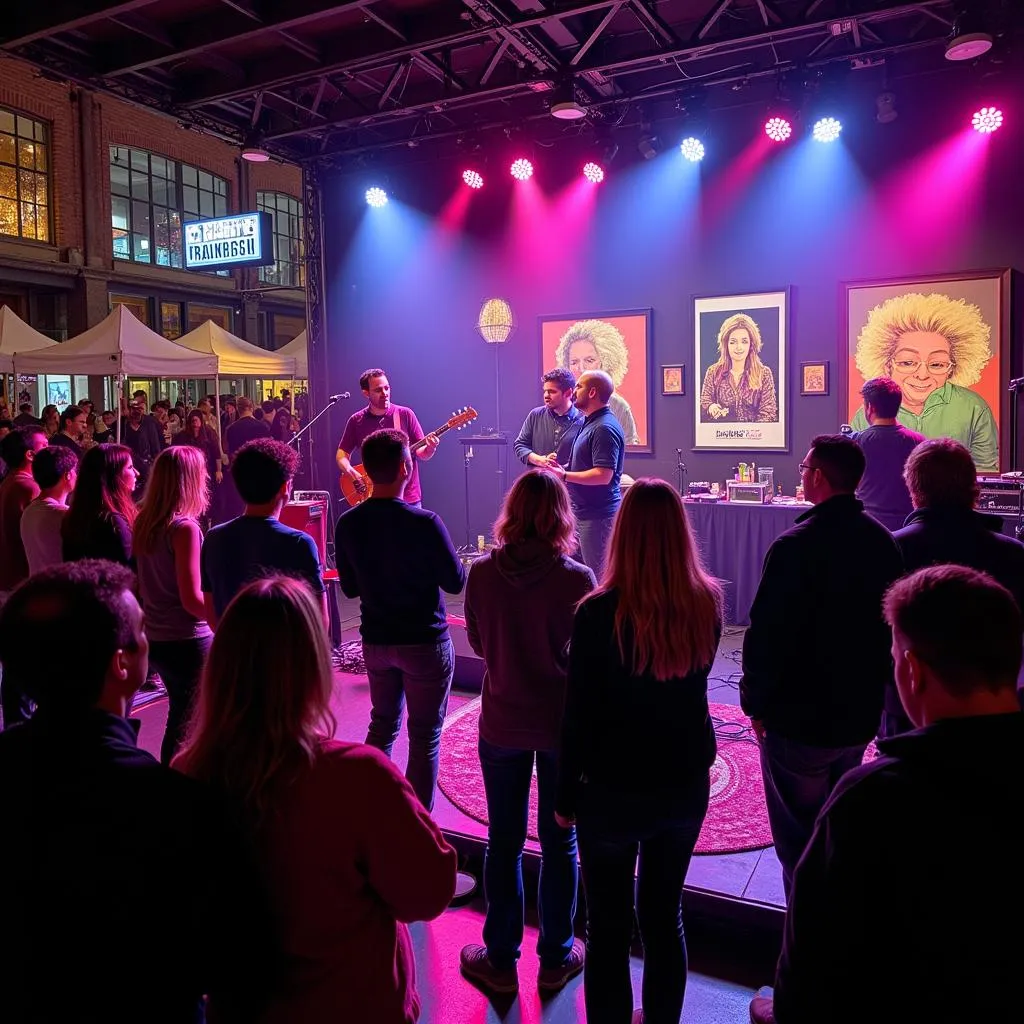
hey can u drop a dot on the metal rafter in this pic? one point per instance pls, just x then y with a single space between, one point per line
27 23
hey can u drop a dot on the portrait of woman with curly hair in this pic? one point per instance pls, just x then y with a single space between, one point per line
739 388
936 348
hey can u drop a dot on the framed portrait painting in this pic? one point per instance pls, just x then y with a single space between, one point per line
945 340
740 346
618 343
814 378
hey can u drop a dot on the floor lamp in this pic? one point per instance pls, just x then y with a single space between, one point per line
496 324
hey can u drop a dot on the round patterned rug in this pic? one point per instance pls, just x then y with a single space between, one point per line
737 819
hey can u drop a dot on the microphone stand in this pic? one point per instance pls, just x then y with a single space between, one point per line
327 408
1015 388
681 470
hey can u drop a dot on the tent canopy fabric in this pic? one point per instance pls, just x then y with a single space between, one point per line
118 344
235 357
296 349
17 336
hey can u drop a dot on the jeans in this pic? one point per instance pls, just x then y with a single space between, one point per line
594 534
635 849
798 779
420 675
180 664
507 774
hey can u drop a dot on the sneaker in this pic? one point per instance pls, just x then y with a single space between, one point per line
551 979
762 1010
477 967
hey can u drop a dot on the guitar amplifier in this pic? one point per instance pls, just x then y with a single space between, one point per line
998 494
309 517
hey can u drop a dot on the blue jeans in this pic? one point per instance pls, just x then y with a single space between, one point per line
635 850
798 779
507 775
594 534
419 675
180 664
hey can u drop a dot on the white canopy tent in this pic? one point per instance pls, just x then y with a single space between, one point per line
235 357
17 336
296 349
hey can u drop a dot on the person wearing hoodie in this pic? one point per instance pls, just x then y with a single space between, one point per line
520 602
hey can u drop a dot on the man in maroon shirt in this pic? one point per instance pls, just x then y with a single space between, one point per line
381 412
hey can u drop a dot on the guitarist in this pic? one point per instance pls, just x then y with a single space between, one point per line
381 413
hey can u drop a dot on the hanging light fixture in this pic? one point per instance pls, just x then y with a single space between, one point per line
496 321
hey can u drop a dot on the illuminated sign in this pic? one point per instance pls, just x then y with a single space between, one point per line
242 240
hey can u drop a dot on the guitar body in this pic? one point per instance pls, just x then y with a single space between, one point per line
356 492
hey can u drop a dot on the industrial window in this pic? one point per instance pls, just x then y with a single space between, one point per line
24 177
289 268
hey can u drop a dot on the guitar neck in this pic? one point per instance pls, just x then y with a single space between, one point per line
421 443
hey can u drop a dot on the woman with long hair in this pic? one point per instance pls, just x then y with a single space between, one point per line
637 748
346 849
167 545
739 388
102 513
196 433
281 428
520 602
50 418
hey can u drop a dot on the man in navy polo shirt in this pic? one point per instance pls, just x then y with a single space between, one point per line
550 429
381 413
595 467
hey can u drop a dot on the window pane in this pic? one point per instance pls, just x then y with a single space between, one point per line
189 175
140 161
140 184
7 149
158 166
220 186
140 249
42 133
119 214
43 223
41 157
160 197
174 234
27 184
220 206
190 200
8 217
24 126
206 181
27 154
205 204
140 218
119 180
6 121
28 220
8 182
42 191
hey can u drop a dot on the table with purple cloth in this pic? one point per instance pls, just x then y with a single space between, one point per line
734 537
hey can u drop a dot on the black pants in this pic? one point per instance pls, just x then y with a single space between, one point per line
180 664
635 850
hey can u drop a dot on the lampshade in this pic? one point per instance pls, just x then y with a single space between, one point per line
495 322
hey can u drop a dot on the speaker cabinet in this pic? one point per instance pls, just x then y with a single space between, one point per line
309 517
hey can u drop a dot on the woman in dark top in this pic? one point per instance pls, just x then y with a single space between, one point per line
198 435
637 748
281 428
99 522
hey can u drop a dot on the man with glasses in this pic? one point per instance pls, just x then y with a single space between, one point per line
816 657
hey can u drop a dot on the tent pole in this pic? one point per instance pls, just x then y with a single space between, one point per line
120 404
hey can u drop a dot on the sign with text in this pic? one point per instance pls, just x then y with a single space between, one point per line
241 240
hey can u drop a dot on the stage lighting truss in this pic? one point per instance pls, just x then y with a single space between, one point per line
692 149
521 169
827 129
474 179
778 129
987 120
376 197
593 172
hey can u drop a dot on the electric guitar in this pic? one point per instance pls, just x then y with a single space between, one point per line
357 491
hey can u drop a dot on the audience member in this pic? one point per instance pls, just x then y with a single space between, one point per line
55 470
257 543
104 431
637 749
246 427
167 546
71 430
143 437
198 435
595 467
886 444
904 906
88 816
50 418
6 426
348 852
816 654
397 559
102 513
25 417
549 430
18 450
520 602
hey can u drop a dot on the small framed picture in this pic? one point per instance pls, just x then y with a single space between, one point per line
673 380
814 378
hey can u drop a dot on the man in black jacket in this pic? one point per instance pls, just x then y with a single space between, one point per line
816 654
906 905
126 874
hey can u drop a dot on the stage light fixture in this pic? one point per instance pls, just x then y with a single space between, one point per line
376 197
826 129
886 104
987 120
521 169
474 179
692 149
778 129
593 172
968 39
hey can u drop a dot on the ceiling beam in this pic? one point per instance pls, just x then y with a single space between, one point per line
654 23
609 17
25 23
143 26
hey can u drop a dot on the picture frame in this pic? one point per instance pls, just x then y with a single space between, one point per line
618 342
954 383
741 357
673 379
814 378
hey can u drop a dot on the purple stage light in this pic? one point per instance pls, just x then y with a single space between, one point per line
473 179
593 172
376 196
521 169
692 149
778 129
987 120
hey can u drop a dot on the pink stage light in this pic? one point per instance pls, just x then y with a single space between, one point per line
778 129
987 120
521 169
473 179
593 172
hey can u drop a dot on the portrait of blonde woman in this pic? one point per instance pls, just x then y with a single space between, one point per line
739 388
935 347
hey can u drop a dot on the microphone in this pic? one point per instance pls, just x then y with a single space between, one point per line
338 398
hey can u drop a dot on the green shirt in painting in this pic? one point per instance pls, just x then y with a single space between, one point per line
956 412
